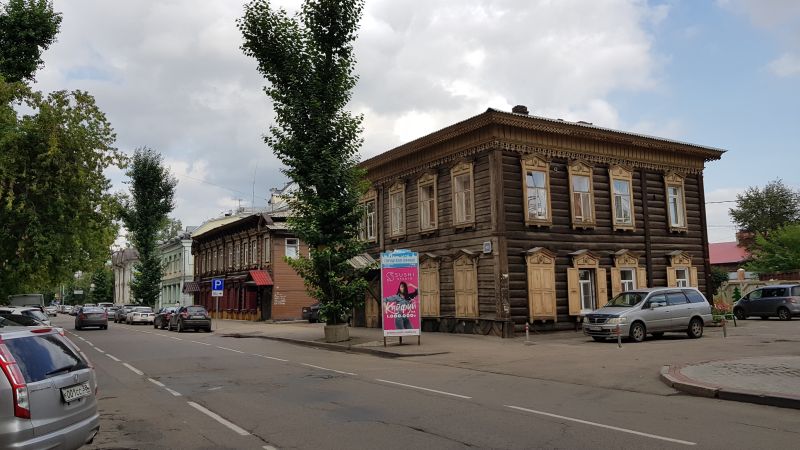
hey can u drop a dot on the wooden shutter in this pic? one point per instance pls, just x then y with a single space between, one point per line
541 292
573 292
641 277
429 289
616 282
465 288
693 277
672 280
602 288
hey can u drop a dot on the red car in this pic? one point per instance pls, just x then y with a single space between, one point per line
162 318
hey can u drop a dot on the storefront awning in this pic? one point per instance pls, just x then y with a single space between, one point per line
190 287
261 278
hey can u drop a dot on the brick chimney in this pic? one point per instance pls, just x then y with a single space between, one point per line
520 109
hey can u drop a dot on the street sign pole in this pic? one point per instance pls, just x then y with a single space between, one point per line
217 288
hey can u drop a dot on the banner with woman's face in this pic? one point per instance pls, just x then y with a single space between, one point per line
400 293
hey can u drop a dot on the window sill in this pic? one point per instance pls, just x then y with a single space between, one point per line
428 232
464 226
583 226
539 223
629 228
398 237
678 229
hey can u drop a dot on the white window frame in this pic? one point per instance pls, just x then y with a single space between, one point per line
463 199
676 202
590 284
618 174
533 215
682 282
254 251
294 245
368 231
583 199
428 207
266 250
628 285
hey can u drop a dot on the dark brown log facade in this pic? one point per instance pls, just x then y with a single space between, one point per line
498 237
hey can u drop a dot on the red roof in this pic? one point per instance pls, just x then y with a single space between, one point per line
261 277
726 253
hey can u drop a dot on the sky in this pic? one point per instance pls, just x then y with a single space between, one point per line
170 75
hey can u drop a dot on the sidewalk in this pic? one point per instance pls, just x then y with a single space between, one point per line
766 380
571 357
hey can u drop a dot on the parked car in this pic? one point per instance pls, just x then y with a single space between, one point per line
162 317
51 310
122 313
65 309
311 313
140 314
30 311
781 301
105 305
194 316
652 311
47 391
91 316
18 320
75 309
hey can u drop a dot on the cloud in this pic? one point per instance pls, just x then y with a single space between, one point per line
787 65
718 202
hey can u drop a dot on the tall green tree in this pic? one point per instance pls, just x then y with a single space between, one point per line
172 228
145 214
27 29
763 210
102 285
777 253
57 215
308 62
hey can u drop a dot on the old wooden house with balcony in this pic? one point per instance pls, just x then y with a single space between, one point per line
519 218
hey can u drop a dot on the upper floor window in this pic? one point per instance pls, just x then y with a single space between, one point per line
237 252
397 207
463 194
621 197
369 223
536 191
246 256
292 248
676 202
426 188
230 256
266 250
581 192
254 252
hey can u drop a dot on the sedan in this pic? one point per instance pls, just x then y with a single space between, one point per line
162 318
91 316
140 314
194 316
122 313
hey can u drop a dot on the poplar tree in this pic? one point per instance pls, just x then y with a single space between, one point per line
308 62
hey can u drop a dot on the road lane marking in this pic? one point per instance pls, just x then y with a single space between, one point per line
325 368
202 343
175 393
226 348
424 389
173 337
113 357
237 429
215 388
88 343
600 425
98 349
156 382
269 447
270 357
133 369
81 338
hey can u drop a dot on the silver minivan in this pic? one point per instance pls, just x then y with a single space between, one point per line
654 311
47 391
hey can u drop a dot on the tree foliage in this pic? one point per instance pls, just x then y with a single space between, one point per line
763 210
56 212
145 215
779 252
27 28
103 281
171 229
309 63
718 276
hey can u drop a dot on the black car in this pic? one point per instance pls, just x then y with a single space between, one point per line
194 316
311 313
162 317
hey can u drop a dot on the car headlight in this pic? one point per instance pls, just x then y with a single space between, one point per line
617 320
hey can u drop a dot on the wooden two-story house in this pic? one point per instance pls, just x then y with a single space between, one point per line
519 218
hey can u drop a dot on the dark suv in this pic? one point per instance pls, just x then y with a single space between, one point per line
781 301
194 316
47 391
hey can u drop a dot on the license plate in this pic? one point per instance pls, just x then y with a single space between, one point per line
198 317
595 328
72 393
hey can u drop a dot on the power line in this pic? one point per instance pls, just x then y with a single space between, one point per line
212 184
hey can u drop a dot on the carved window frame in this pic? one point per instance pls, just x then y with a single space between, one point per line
581 168
397 192
461 169
619 173
368 231
532 163
676 180
425 181
681 260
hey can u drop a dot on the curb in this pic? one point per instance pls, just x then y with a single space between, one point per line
347 347
672 376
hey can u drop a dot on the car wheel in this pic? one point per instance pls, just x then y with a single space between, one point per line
599 338
695 328
739 314
764 317
784 314
658 334
638 332
77 327
180 327
105 327
154 325
208 330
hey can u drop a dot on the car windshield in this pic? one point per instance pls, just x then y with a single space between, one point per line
627 299
143 309
92 309
196 310
36 314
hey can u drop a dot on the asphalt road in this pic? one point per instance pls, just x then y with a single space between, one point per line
165 390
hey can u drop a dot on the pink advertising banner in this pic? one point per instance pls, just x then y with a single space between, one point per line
400 293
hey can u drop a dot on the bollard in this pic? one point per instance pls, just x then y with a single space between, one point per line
619 337
527 334
724 328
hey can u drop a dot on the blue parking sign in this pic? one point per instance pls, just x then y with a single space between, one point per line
217 286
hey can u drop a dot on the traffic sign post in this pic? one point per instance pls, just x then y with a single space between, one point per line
217 287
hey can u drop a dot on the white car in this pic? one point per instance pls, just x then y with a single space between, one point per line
52 310
34 313
140 314
65 309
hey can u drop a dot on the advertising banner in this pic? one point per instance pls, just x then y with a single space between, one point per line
400 293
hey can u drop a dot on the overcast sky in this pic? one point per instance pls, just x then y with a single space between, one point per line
169 74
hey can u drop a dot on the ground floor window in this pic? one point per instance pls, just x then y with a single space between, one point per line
682 277
587 288
627 279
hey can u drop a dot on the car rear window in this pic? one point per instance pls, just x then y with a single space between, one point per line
796 291
143 309
676 298
774 292
196 310
694 296
36 314
93 310
44 356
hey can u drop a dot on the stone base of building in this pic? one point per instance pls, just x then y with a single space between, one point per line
486 327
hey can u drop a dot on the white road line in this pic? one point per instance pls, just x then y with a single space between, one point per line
270 357
600 425
175 393
325 368
269 447
215 388
423 389
133 369
237 429
201 343
81 338
226 348
98 349
177 339
156 382
148 332
88 343
113 357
